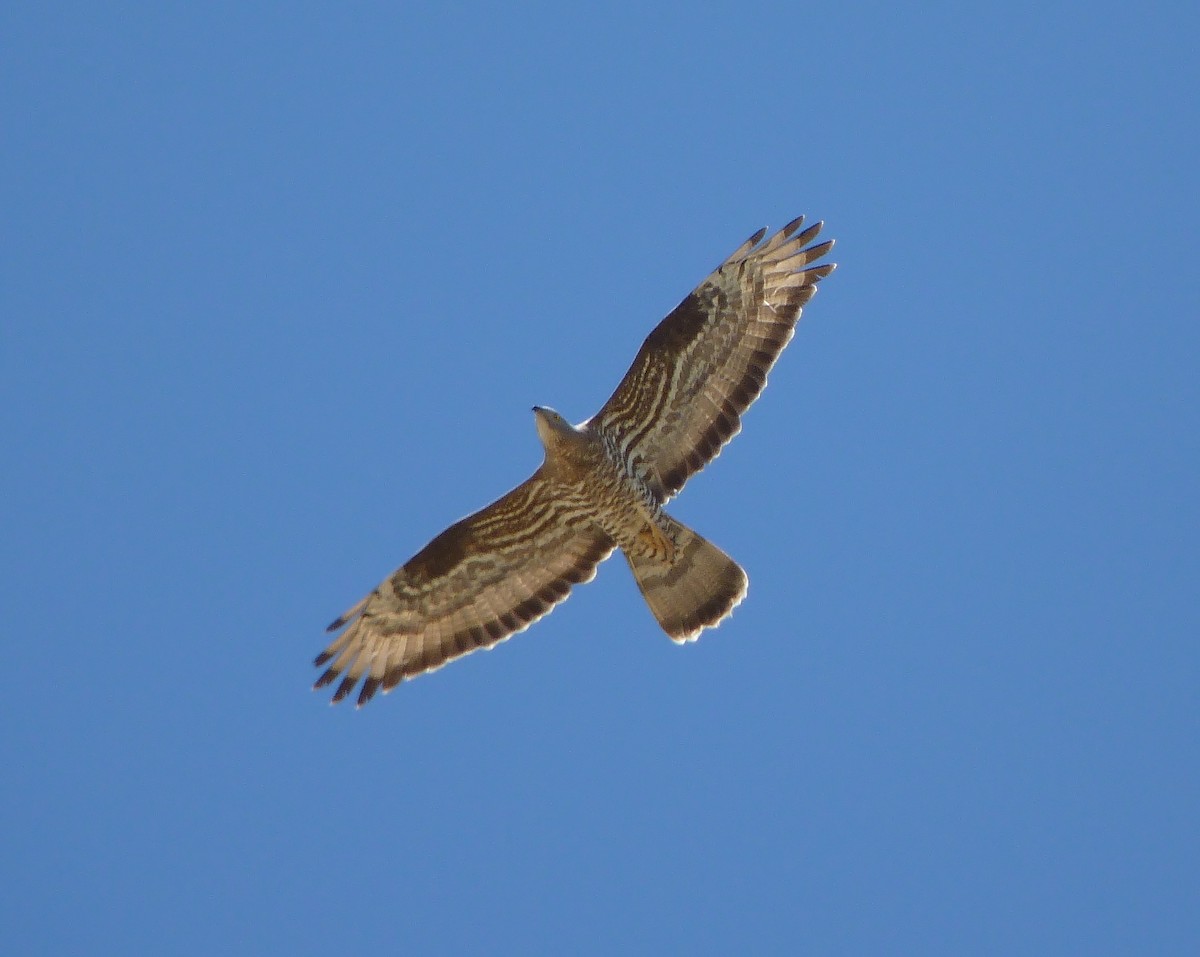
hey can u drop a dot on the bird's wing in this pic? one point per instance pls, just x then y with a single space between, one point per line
483 579
702 366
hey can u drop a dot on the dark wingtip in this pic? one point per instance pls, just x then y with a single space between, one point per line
811 233
368 691
337 623
817 273
391 678
822 248
344 688
323 657
793 226
326 678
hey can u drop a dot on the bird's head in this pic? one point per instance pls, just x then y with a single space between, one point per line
552 428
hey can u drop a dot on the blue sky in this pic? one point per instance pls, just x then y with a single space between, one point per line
280 284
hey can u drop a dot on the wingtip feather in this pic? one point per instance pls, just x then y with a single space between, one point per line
793 226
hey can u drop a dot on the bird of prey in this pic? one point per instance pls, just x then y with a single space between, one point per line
601 486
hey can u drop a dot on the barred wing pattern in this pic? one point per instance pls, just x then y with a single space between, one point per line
702 367
483 579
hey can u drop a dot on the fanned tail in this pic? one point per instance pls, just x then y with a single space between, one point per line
695 591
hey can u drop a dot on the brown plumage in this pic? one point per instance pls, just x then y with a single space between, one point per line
601 486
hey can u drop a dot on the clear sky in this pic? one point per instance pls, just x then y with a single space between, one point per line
279 285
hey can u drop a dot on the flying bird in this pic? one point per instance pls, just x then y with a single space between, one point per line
601 486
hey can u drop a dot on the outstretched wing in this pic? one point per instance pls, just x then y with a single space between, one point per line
480 581
702 367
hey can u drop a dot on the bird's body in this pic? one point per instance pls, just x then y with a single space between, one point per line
601 486
585 467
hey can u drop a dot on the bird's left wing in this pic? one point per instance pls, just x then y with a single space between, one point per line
483 579
702 366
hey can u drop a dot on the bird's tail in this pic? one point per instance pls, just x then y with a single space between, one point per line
696 590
